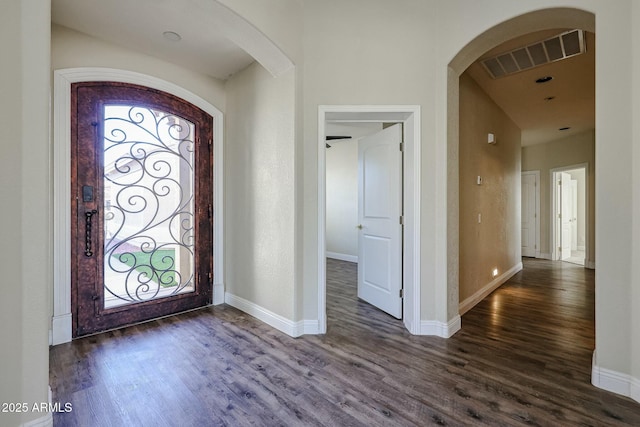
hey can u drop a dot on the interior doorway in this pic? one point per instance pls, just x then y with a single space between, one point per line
364 208
408 116
570 214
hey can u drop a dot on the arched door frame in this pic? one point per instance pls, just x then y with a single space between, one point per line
539 20
507 30
61 331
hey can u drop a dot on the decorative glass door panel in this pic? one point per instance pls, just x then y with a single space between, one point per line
148 205
142 175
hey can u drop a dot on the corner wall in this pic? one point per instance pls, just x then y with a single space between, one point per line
260 196
489 212
26 206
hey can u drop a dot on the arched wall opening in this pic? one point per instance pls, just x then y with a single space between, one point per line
540 20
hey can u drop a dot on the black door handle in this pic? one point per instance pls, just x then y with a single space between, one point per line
87 234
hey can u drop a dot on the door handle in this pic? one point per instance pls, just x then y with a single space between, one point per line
87 232
360 227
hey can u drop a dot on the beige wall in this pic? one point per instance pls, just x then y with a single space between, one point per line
634 297
25 197
495 241
259 189
570 151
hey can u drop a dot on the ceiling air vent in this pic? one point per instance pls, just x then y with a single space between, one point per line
560 47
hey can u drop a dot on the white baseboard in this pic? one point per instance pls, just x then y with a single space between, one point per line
482 293
591 265
44 421
635 389
440 329
342 257
289 327
61 327
545 256
218 294
615 382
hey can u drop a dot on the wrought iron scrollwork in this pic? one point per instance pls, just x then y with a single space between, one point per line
148 181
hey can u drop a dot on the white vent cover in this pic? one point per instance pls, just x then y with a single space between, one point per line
562 46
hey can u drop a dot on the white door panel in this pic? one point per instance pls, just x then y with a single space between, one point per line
379 211
566 213
529 209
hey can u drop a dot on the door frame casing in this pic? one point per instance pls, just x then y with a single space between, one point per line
61 326
554 209
536 173
409 115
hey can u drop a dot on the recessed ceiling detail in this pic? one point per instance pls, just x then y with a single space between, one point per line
562 46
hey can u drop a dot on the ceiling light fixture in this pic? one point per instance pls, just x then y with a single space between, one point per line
172 36
544 79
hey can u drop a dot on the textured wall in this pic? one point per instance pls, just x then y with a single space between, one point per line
494 242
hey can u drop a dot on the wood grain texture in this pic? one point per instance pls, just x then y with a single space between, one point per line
523 357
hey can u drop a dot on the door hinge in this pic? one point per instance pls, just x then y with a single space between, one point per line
210 143
402 146
401 220
210 211
210 277
559 249
401 293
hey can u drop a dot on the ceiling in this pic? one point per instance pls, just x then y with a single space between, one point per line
526 102
139 25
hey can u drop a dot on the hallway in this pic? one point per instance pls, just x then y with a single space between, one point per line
523 357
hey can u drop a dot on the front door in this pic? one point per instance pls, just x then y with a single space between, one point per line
141 205
379 212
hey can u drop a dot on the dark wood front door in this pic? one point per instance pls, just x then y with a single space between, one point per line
141 205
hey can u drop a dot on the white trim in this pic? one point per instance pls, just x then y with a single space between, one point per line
591 265
635 389
536 174
482 293
410 115
342 257
44 421
441 329
218 293
615 382
61 327
545 256
289 327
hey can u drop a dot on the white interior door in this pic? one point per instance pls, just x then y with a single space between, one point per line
566 213
379 211
574 214
529 209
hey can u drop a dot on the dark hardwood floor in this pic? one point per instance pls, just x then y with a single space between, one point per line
523 357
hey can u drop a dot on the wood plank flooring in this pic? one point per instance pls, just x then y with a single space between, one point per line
523 357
